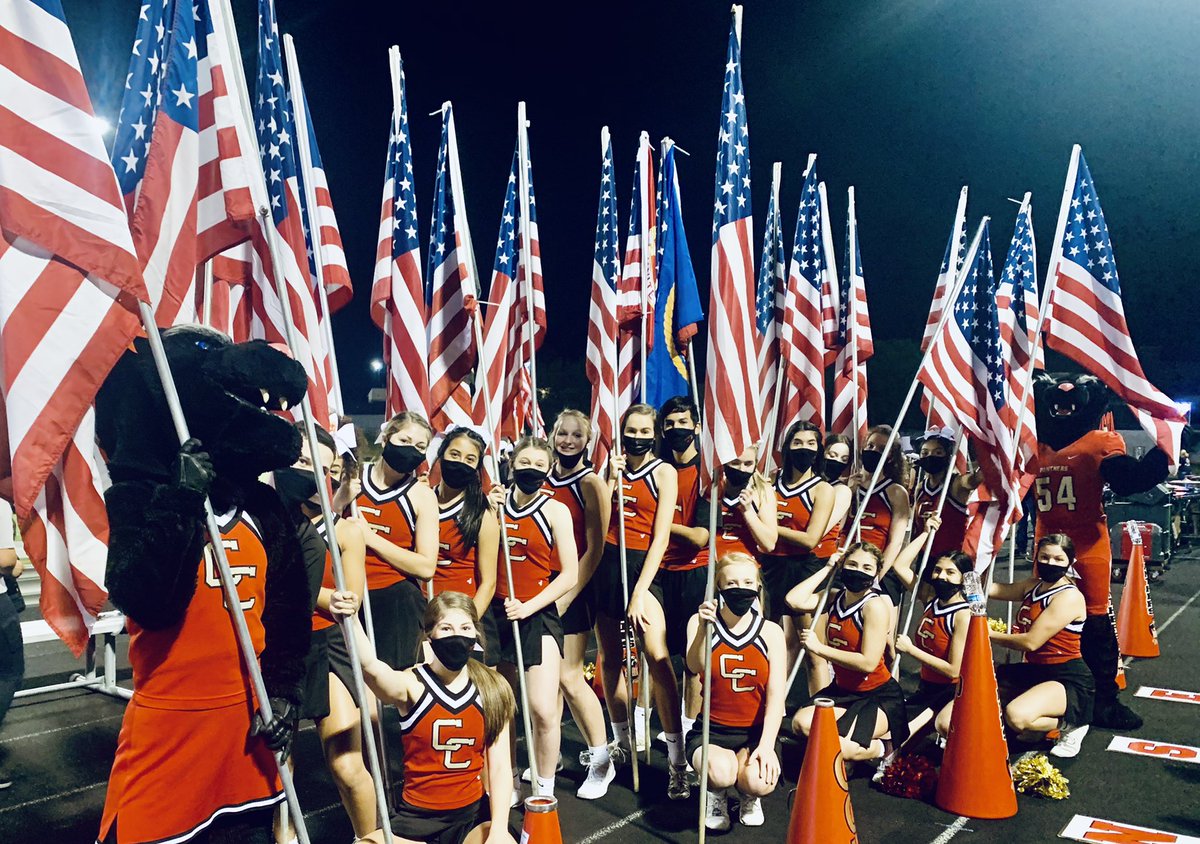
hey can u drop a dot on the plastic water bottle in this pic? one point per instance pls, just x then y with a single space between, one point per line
973 590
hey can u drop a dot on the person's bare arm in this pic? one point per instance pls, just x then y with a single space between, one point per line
421 561
487 556
596 516
804 596
1064 608
818 522
762 520
876 621
901 510
564 543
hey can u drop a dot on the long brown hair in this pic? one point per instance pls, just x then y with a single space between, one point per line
499 706
895 467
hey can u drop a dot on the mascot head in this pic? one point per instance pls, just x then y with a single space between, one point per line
1068 406
229 393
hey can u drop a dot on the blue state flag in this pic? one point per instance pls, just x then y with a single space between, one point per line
677 309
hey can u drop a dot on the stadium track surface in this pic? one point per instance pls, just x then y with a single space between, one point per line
58 749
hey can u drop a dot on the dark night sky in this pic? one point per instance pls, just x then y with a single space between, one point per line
905 99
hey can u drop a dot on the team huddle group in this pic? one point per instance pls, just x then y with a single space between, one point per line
424 542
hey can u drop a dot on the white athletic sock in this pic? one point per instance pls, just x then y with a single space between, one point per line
639 719
545 786
599 755
621 732
688 723
675 748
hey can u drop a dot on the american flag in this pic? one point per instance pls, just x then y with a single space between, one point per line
638 280
66 255
731 413
965 369
1087 318
230 311
854 342
938 415
530 289
1017 304
451 277
768 303
177 155
397 292
801 340
602 314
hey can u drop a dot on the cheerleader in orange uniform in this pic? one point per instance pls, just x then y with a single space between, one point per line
835 469
749 674
850 635
885 517
1054 688
934 462
748 520
456 719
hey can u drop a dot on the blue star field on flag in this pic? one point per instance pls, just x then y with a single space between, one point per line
733 152
1085 239
977 319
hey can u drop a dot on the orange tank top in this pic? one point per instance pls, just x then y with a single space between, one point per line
196 662
443 739
740 669
953 531
639 495
680 556
530 549
569 491
843 630
934 634
1063 646
829 542
795 506
732 532
392 516
456 570
877 517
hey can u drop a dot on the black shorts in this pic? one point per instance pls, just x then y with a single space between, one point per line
316 675
892 586
339 663
680 593
931 696
448 826
610 597
719 735
780 574
544 622
396 613
861 708
1074 676
491 638
580 616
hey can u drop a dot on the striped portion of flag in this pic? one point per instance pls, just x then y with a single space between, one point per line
1017 304
732 421
638 279
768 301
854 341
231 311
1087 318
66 255
602 313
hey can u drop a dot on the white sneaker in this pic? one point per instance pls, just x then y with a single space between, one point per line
596 783
750 813
885 762
1070 739
717 816
617 752
527 777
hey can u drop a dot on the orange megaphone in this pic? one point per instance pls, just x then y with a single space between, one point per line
1135 618
821 813
975 780
541 821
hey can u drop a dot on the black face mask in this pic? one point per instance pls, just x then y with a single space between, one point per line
637 446
402 458
857 581
679 440
1050 573
834 469
739 599
736 478
529 481
568 461
871 460
945 590
295 487
934 464
458 475
453 651
802 458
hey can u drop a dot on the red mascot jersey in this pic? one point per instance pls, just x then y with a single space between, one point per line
1063 646
1069 491
443 746
740 669
191 711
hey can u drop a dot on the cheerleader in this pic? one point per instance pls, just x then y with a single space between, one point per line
454 712
835 469
399 515
886 512
545 567
573 483
644 487
749 677
748 520
1052 688
850 635
934 463
468 529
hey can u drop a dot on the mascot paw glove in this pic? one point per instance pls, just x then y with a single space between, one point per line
278 733
195 469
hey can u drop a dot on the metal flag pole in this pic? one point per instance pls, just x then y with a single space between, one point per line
206 305
766 456
627 638
309 210
919 572
894 436
852 331
705 629
527 249
228 585
644 264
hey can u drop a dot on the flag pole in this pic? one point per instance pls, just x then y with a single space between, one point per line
852 324
644 265
527 248
206 305
627 638
692 382
894 436
769 443
309 211
705 629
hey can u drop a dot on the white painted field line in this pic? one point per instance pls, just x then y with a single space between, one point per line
11 739
961 821
613 827
50 797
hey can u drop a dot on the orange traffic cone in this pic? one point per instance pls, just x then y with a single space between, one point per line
1135 619
541 821
821 812
975 780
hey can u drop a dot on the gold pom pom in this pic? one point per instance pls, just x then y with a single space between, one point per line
998 624
589 671
1035 775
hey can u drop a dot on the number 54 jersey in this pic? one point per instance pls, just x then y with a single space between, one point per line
443 737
